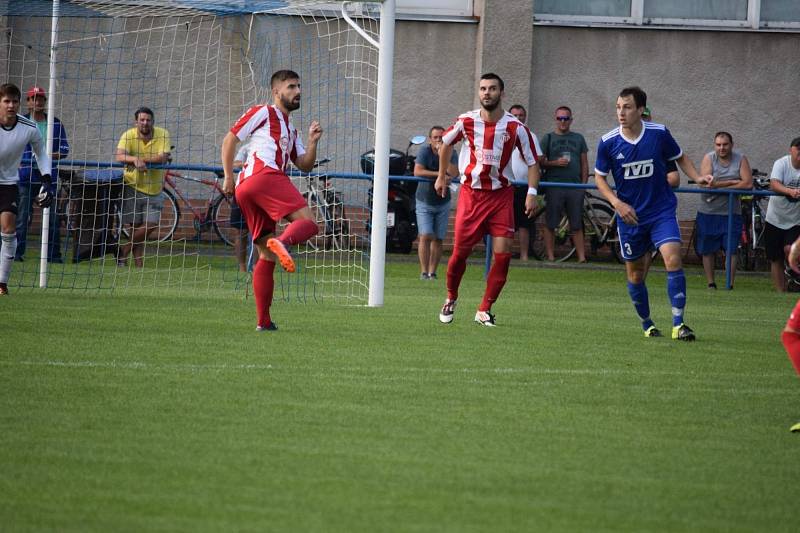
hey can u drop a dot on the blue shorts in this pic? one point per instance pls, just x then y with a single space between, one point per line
432 219
712 233
635 241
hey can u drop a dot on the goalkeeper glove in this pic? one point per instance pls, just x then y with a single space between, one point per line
45 197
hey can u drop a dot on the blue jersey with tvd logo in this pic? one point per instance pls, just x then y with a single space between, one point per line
639 167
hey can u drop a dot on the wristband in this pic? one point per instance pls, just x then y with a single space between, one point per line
532 191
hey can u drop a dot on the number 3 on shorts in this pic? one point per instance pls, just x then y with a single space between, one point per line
628 251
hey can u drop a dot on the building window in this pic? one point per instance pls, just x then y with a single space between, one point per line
595 8
781 15
781 11
696 9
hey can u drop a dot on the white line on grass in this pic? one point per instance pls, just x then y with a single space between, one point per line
138 365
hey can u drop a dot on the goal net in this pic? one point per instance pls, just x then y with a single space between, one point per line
198 65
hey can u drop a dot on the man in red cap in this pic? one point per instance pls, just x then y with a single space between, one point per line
30 178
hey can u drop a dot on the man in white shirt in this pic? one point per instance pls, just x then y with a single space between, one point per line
783 212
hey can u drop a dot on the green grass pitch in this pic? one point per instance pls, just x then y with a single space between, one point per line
159 412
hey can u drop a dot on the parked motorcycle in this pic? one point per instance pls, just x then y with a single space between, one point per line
401 217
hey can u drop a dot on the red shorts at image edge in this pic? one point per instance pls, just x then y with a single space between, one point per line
480 212
265 198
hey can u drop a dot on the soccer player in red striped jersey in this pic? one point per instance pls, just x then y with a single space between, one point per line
488 136
264 192
791 332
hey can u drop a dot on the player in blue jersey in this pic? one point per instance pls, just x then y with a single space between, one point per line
636 153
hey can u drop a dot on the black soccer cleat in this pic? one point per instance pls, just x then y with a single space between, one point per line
682 333
652 331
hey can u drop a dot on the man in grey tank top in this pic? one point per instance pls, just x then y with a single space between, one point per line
731 170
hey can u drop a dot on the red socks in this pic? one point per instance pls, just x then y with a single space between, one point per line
298 231
455 271
496 280
263 287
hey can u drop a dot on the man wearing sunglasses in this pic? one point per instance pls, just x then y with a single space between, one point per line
564 161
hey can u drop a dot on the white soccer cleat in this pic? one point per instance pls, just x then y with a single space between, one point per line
448 311
485 318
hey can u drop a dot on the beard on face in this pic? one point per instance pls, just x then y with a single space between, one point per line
490 105
290 105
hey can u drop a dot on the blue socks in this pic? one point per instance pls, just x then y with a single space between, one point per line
676 290
641 303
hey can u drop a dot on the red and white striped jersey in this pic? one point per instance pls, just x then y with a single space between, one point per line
485 157
273 140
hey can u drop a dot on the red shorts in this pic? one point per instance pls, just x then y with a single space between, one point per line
265 198
480 212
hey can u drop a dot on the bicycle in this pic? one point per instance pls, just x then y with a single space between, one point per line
327 205
215 213
599 228
751 253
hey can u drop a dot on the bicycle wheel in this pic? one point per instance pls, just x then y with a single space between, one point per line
167 223
600 227
340 226
221 220
563 248
324 221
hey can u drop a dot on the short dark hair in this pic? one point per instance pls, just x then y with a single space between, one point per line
493 76
283 75
145 110
518 106
10 90
639 96
795 142
724 134
564 107
430 131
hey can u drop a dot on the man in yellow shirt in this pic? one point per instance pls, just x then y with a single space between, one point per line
142 199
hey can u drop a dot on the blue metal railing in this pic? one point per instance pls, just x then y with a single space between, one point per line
731 244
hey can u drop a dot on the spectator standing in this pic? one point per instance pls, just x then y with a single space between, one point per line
783 212
636 152
673 176
16 132
523 224
263 190
142 196
30 178
433 210
564 161
730 170
488 136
